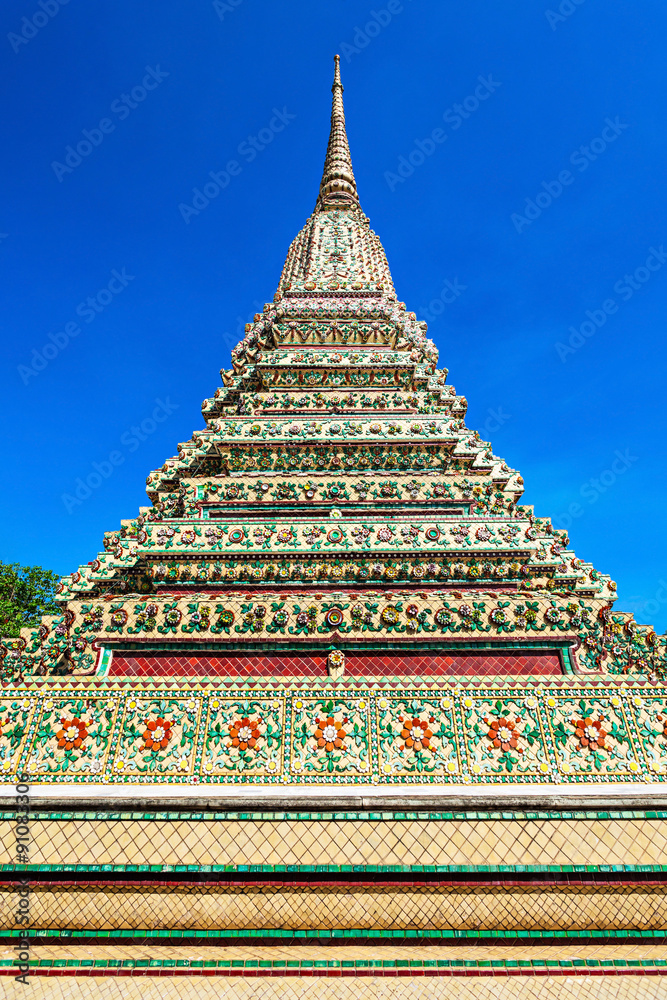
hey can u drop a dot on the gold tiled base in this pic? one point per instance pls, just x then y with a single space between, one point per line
352 988
344 842
328 907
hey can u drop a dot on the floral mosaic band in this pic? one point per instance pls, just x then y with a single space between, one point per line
199 734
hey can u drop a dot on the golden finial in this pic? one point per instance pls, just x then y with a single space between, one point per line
338 188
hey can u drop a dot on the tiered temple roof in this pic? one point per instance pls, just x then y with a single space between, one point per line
335 498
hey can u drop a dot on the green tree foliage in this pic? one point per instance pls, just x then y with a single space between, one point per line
26 593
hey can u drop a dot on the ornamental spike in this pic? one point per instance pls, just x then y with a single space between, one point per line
338 188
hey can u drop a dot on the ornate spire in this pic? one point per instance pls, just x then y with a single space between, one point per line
338 188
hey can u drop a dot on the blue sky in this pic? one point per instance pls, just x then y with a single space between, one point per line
535 217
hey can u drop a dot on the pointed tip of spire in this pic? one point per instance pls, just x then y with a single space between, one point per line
338 188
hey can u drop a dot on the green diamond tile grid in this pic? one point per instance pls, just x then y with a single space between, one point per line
343 906
390 842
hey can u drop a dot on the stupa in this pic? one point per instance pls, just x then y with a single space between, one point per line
337 715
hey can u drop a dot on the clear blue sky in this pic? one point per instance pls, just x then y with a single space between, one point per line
200 79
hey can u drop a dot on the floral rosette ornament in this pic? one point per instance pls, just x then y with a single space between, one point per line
361 615
416 619
172 617
443 618
224 621
416 734
146 616
329 734
253 619
244 734
390 616
93 617
460 533
334 617
118 618
590 734
502 733
336 663
72 734
157 734
306 619
360 534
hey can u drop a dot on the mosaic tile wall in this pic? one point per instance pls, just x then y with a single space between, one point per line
292 907
185 732
338 843
316 563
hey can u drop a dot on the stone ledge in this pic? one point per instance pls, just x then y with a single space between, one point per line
358 798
